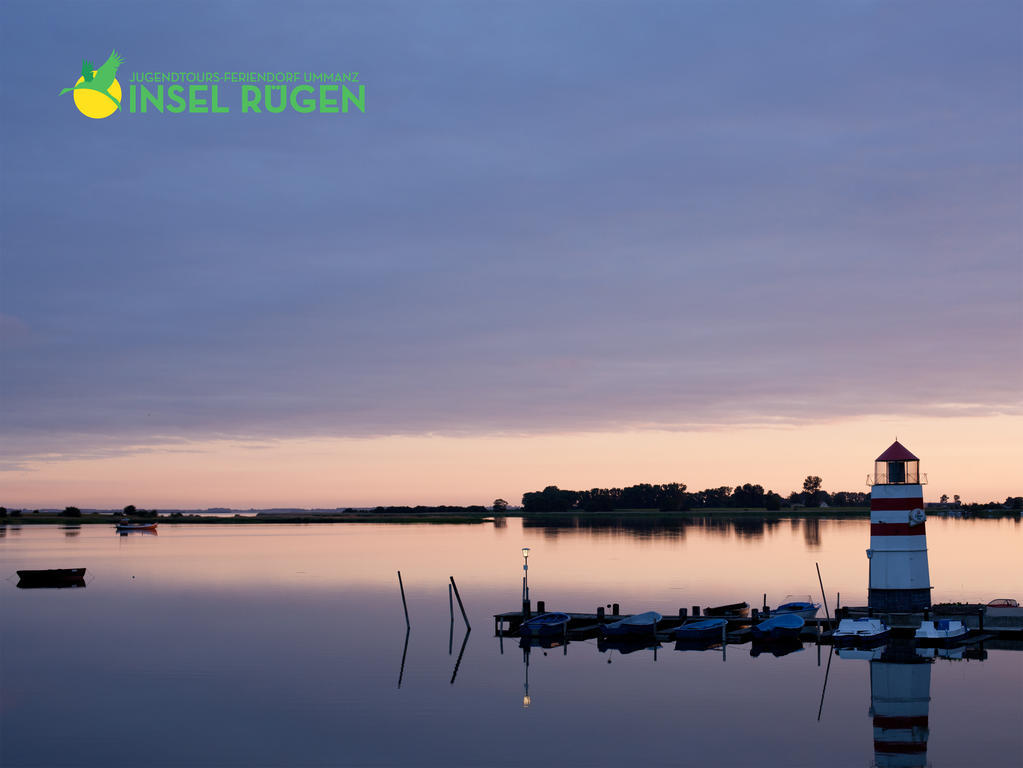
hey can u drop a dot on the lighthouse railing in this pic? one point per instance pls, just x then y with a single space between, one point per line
909 478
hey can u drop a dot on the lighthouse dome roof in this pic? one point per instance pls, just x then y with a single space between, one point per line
897 452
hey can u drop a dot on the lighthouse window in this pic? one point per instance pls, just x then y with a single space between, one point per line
896 472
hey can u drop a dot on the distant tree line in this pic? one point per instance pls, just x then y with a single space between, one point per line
675 496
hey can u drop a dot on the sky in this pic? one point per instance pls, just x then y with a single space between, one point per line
583 244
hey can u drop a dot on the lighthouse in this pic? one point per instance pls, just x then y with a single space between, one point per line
899 576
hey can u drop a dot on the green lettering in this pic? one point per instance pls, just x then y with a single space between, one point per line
270 107
250 98
176 95
307 105
195 103
327 104
147 97
216 105
347 95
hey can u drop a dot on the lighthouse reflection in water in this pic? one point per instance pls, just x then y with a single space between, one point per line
900 697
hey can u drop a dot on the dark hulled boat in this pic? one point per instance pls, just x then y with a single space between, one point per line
733 610
53 577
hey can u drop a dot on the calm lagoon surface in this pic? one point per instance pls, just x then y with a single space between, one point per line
282 645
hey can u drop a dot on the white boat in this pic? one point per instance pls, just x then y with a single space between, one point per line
798 605
640 624
862 632
940 632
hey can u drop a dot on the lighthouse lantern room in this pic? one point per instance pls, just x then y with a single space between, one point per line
899 574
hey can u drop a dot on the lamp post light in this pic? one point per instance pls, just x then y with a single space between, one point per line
525 580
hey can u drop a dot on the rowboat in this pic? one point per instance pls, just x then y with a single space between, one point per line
864 632
545 625
806 608
640 624
777 627
708 629
53 577
940 632
733 610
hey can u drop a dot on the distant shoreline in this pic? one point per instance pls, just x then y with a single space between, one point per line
451 516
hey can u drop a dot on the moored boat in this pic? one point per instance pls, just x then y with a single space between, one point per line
732 610
125 526
940 632
545 625
52 577
708 629
640 624
777 627
863 632
805 608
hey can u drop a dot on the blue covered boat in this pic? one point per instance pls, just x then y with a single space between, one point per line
640 624
545 625
777 627
708 629
806 608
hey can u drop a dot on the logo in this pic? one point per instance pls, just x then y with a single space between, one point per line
97 93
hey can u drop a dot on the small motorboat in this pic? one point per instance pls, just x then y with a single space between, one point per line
777 627
127 526
52 578
545 625
940 632
708 629
806 608
863 633
640 624
732 610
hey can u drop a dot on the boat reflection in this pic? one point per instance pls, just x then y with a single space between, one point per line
781 647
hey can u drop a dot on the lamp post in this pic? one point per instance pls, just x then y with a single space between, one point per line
525 581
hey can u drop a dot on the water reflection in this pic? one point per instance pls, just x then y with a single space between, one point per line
674 526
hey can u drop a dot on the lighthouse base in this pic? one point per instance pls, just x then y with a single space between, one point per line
899 600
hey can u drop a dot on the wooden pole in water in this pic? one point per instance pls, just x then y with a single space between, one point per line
460 606
823 597
403 603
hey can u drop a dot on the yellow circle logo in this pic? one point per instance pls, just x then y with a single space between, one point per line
97 93
92 103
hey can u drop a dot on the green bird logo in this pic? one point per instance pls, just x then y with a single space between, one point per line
97 93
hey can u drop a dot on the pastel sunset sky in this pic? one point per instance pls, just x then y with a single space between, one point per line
579 244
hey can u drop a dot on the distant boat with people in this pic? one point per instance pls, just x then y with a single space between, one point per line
127 526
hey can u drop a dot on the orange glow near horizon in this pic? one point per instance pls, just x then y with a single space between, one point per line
977 458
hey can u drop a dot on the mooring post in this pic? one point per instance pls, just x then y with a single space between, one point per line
600 614
696 611
614 609
541 606
765 601
683 613
756 615
460 606
980 617
403 603
823 597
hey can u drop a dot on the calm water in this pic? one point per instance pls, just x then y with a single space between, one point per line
282 646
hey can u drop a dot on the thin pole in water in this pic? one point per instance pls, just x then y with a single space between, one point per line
403 603
451 622
823 596
401 672
460 606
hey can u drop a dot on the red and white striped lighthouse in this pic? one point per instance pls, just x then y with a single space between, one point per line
899 576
